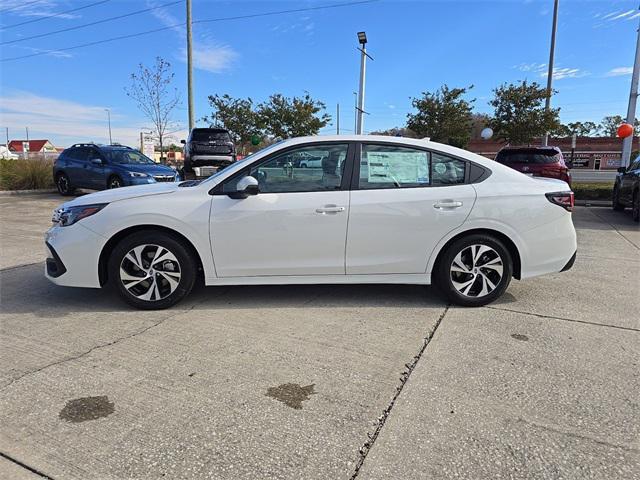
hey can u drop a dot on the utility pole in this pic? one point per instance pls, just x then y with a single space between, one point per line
337 119
189 66
355 112
7 131
552 51
27 130
109 121
362 39
627 143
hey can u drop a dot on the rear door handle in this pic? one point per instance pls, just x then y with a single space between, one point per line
330 209
447 204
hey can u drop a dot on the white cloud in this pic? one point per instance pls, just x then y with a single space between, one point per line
62 121
208 55
541 70
619 71
621 15
42 8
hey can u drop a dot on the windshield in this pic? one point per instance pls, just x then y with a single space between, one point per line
129 157
527 155
206 135
246 160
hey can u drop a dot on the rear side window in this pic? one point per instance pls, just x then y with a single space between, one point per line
207 135
446 170
78 153
532 156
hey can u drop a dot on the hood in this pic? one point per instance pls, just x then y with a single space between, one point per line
156 169
124 193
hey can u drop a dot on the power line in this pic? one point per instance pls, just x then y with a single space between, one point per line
20 6
54 15
77 27
169 27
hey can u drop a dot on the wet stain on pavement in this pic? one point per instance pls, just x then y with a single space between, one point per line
86 408
519 336
291 394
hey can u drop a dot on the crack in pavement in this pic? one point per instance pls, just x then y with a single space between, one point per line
617 231
97 347
25 466
586 322
15 267
368 445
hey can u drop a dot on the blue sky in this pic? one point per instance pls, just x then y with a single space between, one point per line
416 46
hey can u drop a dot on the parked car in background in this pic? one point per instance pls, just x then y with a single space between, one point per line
626 190
381 210
97 167
536 161
208 147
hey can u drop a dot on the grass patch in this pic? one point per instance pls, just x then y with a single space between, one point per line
592 191
35 174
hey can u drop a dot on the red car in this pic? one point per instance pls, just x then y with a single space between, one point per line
536 161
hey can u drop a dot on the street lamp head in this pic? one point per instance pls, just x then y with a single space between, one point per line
362 38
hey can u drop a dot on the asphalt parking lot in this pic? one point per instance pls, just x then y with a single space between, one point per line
290 382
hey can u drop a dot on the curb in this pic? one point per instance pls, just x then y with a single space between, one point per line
7 193
593 203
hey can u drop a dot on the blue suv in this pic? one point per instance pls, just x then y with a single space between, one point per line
97 167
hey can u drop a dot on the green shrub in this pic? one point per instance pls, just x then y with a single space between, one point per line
592 191
23 174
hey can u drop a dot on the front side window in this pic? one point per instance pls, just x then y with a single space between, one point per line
128 157
390 166
305 169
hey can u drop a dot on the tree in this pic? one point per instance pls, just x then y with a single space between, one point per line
285 117
236 115
519 113
479 121
155 98
583 129
609 126
444 116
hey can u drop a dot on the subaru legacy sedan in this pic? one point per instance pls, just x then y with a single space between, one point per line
379 210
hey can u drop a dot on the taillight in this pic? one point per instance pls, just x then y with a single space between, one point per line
563 199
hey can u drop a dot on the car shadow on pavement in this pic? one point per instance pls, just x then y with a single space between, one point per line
26 290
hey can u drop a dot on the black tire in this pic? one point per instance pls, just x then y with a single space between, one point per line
478 278
615 200
635 213
63 184
114 182
156 277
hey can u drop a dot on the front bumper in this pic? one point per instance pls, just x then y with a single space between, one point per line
73 256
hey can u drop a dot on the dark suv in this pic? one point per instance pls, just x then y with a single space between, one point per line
97 167
626 190
208 147
536 161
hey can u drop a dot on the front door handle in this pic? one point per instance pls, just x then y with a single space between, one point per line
447 204
330 209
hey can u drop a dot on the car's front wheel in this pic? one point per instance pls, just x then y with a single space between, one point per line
63 184
152 270
474 270
114 182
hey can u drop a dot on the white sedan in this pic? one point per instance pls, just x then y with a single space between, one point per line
379 210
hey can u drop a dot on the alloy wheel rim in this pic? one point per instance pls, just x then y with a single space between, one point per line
150 272
115 183
63 185
476 270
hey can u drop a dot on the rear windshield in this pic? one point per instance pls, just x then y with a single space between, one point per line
207 135
531 156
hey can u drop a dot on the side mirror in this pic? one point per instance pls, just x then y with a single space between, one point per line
97 161
245 187
183 142
622 169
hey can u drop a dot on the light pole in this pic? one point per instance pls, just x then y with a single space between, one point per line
362 39
109 122
355 112
552 50
189 67
627 143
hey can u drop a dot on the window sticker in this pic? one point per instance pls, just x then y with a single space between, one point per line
397 167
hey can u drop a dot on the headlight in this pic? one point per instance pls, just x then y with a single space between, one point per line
139 174
70 215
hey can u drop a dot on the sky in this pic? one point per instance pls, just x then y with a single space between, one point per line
61 93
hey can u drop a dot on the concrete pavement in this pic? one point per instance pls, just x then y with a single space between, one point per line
390 383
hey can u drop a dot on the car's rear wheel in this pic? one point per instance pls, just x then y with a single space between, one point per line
63 184
615 200
636 206
474 270
114 182
152 270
